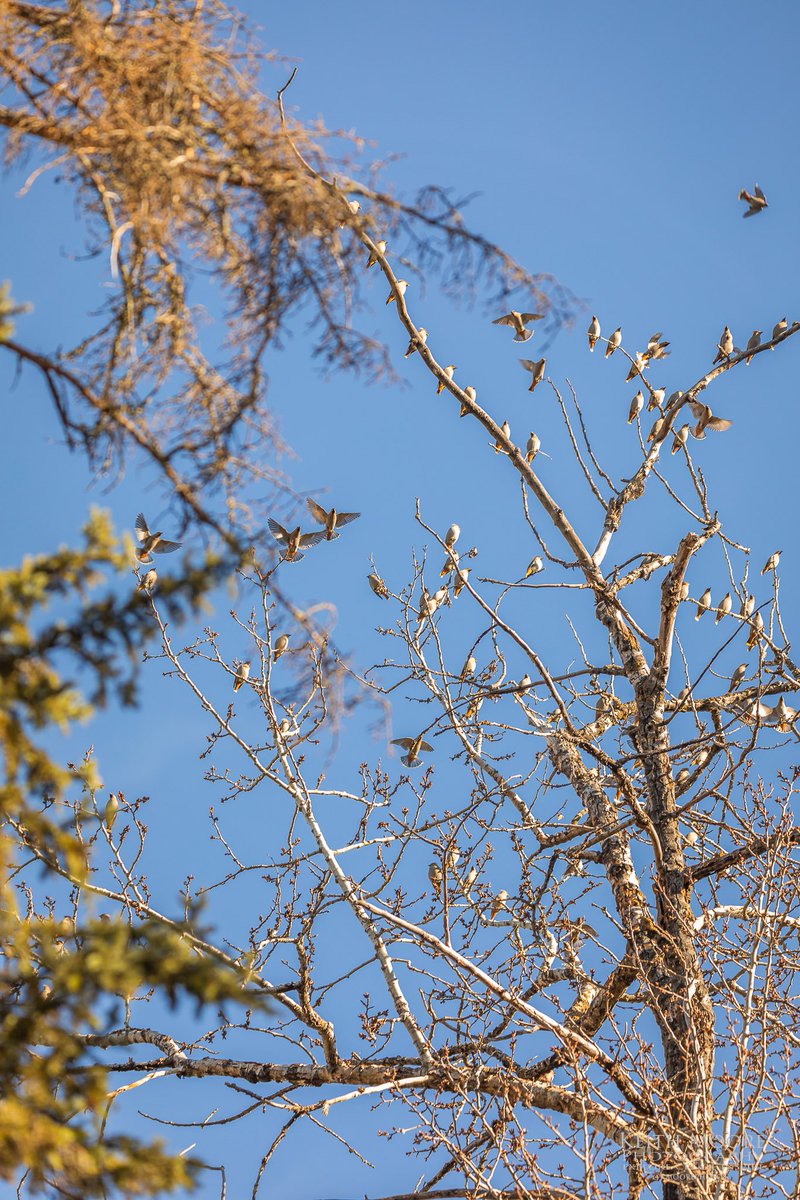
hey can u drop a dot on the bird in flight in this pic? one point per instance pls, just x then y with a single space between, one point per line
330 518
412 747
536 369
756 203
151 543
293 540
519 322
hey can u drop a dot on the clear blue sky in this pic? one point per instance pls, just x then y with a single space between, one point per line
607 148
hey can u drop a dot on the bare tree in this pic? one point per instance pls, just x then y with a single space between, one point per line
580 977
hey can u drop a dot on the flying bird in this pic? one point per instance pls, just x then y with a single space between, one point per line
706 420
756 203
412 747
782 716
294 540
536 369
242 673
331 519
593 332
401 286
614 341
419 339
519 322
449 373
151 543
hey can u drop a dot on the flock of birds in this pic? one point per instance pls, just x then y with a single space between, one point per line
293 542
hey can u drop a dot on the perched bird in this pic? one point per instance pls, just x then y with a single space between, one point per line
373 257
524 685
637 366
401 286
593 332
468 667
782 716
637 404
451 562
703 604
471 394
753 344
756 203
706 420
756 629
778 329
378 586
435 876
685 590
505 429
748 604
737 677
499 902
281 646
724 346
151 543
412 747
772 562
532 448
700 757
680 438
534 566
452 535
682 778
462 577
449 370
519 322
723 608
331 519
294 540
148 583
354 207
658 425
673 398
614 341
536 369
110 811
418 340
468 881
453 857
242 673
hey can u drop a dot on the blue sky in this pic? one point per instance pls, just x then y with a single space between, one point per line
607 148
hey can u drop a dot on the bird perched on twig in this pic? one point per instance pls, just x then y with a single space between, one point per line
756 203
637 366
753 344
331 519
373 257
452 535
412 747
536 369
435 876
724 346
778 329
449 370
401 286
242 673
593 332
772 563
151 543
148 583
419 339
281 646
471 394
613 342
737 677
680 438
637 404
723 608
293 540
519 322
703 604
534 566
499 902
378 586
532 448
505 429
